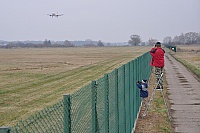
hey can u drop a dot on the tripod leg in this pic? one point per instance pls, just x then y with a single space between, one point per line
166 104
145 112
148 104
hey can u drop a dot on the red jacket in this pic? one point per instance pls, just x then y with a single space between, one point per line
157 57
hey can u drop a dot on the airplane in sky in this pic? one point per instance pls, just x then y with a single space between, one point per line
55 15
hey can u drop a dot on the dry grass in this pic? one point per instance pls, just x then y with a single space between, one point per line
189 55
32 79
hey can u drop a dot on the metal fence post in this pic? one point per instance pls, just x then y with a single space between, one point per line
135 90
94 110
124 97
67 113
138 78
116 101
132 82
106 103
127 97
4 130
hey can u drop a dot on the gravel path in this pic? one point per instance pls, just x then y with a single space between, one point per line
184 95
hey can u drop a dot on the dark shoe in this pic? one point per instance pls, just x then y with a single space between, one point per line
159 87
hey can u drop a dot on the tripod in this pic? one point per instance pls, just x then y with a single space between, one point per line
154 92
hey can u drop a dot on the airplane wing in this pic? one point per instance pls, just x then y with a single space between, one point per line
59 14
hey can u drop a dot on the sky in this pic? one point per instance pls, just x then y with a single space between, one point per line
105 20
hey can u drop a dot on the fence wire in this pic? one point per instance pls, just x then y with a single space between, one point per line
110 104
48 120
81 111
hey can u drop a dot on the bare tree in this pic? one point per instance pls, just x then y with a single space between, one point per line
187 38
179 39
191 37
47 43
100 44
167 40
152 41
68 44
182 39
89 43
176 40
198 39
135 40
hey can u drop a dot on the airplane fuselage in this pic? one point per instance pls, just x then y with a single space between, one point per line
54 15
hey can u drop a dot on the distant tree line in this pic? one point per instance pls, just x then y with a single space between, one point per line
48 43
183 39
135 40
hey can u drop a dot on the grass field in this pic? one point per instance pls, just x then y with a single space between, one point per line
32 79
189 55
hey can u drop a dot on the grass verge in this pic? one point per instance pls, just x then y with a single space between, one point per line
189 66
156 120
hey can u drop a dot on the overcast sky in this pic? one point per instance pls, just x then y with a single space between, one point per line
105 20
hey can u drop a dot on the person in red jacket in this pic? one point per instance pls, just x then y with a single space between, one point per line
157 61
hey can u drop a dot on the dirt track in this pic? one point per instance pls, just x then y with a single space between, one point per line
184 95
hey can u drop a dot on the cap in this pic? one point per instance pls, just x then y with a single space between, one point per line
144 80
158 44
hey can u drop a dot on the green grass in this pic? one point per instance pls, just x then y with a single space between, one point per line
191 67
23 92
164 129
188 55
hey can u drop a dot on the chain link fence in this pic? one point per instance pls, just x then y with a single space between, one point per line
110 104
